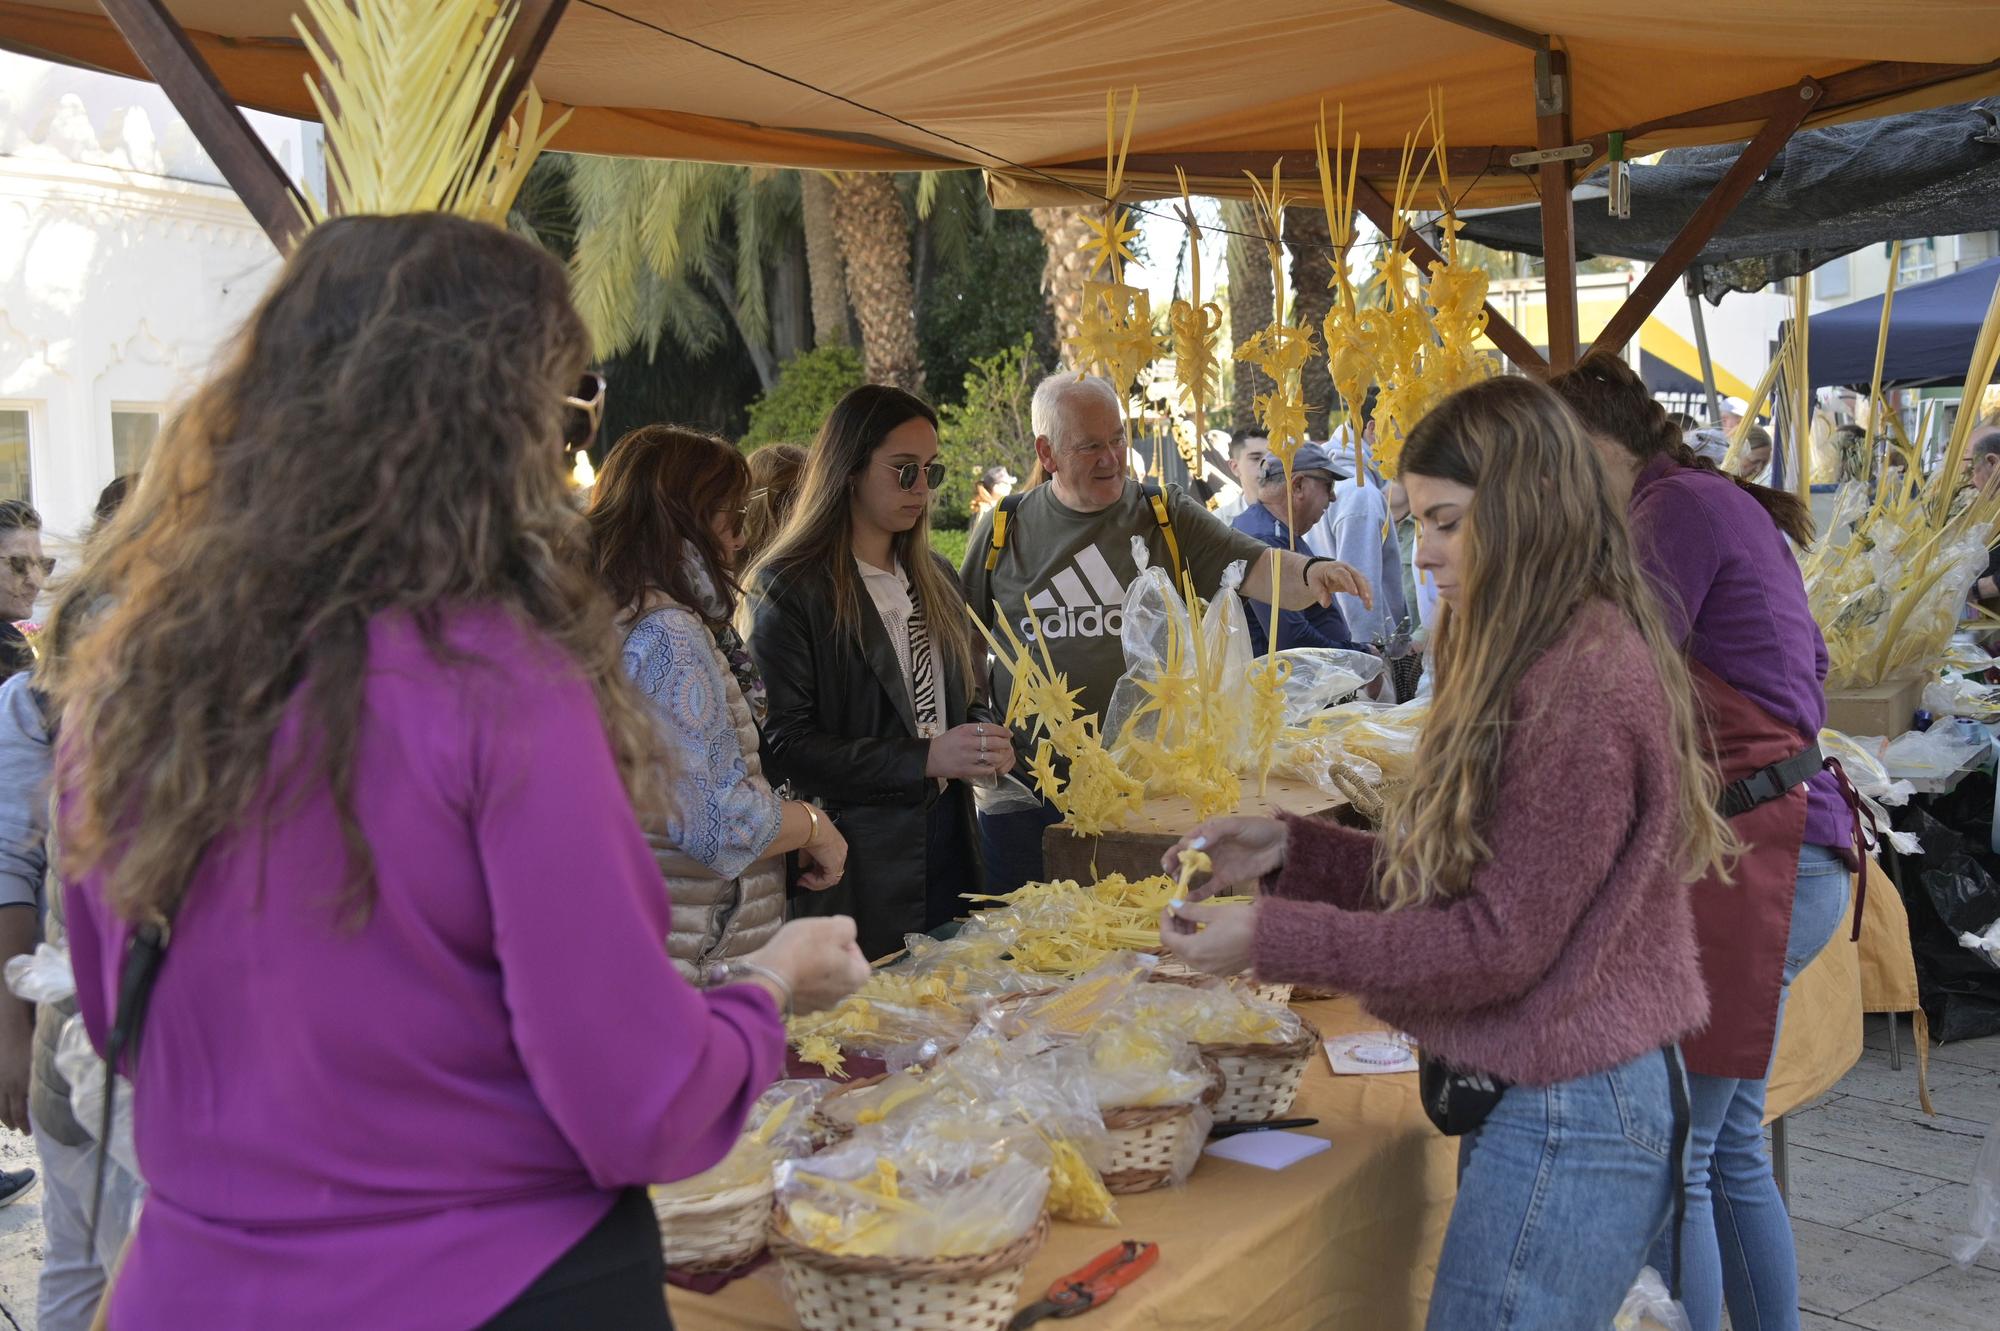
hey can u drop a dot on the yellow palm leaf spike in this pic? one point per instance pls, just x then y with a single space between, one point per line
1350 355
407 89
1197 331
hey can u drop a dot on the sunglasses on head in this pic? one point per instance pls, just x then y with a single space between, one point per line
907 473
586 411
20 564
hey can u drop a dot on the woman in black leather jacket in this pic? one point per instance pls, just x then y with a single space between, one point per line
861 635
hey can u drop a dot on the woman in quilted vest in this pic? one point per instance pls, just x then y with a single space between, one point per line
666 531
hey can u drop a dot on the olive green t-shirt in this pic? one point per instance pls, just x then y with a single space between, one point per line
1072 569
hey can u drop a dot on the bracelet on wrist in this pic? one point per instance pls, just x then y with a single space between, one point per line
1305 573
735 972
812 813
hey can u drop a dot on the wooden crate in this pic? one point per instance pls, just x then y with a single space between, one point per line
1135 849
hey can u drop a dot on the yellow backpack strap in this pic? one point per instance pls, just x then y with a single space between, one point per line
1001 516
1158 499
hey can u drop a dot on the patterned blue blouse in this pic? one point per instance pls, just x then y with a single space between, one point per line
716 812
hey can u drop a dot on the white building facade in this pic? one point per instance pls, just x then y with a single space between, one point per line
125 264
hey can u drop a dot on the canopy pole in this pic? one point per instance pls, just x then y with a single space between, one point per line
1512 342
1701 349
219 127
1709 217
1558 212
534 23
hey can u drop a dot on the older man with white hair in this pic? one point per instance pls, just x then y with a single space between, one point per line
1056 560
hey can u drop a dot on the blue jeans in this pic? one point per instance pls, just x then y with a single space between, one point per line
1737 1239
1562 1191
1011 845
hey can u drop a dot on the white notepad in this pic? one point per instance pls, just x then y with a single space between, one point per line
1269 1150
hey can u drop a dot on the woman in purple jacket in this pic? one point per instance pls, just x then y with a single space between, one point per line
1718 551
348 710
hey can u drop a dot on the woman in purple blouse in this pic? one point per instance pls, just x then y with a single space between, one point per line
349 712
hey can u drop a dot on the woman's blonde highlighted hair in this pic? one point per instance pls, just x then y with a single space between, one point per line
1543 538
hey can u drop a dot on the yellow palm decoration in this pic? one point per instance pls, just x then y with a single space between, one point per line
410 89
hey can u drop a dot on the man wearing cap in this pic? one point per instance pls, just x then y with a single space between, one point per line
1733 409
995 484
1277 515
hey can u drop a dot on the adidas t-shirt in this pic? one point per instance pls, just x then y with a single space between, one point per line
1072 569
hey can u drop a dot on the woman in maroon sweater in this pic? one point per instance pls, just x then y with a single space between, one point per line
1524 913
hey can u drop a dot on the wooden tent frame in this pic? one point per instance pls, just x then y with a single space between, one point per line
1557 159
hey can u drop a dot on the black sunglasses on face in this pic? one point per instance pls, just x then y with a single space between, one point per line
907 473
22 563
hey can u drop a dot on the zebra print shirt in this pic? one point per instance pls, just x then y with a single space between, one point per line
902 613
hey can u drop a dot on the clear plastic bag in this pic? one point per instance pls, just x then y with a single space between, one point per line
1983 1216
956 1193
1158 639
42 976
1952 694
1132 1064
1322 676
1075 1008
1929 754
1213 1013
1649 1307
77 1062
1227 654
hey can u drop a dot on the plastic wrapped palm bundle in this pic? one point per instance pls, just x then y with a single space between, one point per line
714 1221
915 1193
892 1011
1872 782
1260 1048
1162 724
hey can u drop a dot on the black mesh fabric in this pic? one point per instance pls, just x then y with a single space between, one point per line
1829 192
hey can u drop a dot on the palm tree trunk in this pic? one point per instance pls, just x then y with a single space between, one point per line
823 263
1310 245
1250 308
1064 231
875 244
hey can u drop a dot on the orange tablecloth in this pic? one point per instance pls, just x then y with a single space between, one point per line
1349 1237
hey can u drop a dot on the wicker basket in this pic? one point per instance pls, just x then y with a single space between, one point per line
1157 1146
835 1293
717 1232
1170 971
1260 1081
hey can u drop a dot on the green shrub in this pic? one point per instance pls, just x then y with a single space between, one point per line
991 425
950 542
808 386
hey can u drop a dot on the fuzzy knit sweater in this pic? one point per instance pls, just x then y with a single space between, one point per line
1573 949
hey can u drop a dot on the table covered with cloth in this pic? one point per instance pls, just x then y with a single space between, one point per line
1349 1237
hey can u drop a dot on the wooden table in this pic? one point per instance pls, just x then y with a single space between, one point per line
1348 1238
1135 849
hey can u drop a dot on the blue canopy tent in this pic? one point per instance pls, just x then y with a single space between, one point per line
1932 328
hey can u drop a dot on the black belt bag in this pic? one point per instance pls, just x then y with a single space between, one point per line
1456 1102
1769 783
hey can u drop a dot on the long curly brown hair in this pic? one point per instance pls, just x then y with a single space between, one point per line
383 436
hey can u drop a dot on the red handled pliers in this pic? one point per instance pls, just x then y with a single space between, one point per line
1080 1291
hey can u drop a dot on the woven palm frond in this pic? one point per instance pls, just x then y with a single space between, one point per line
406 89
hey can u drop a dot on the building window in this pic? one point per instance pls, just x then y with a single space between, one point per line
1919 261
14 478
133 430
1830 280
1977 247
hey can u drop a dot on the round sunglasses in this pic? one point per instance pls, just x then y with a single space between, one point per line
907 473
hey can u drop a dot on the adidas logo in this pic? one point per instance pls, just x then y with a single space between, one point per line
1085 600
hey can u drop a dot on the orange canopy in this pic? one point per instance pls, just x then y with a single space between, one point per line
1018 86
